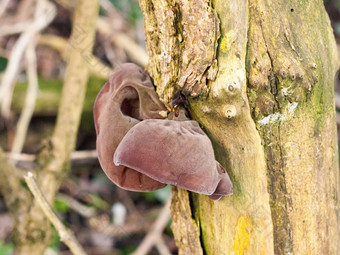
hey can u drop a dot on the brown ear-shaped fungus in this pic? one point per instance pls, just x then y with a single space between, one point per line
174 152
126 99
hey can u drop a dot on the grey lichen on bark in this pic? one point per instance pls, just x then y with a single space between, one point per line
291 65
224 112
270 115
242 222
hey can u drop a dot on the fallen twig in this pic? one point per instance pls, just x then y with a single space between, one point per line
155 235
65 234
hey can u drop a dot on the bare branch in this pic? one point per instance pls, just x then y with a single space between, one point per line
136 53
9 181
67 4
76 156
107 6
53 159
31 96
162 248
155 234
65 234
83 210
3 6
16 28
102 224
45 12
95 66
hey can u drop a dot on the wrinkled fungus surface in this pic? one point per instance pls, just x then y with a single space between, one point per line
140 151
126 99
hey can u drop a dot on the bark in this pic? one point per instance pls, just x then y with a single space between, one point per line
269 111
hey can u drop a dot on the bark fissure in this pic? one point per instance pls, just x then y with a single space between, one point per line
194 213
285 245
185 228
183 59
268 106
295 111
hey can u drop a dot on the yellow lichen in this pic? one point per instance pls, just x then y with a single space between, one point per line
227 41
242 235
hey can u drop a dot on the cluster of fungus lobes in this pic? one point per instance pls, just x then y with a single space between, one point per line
139 150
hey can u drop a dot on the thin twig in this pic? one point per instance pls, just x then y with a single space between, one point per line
102 224
67 4
84 155
136 53
3 6
16 28
108 7
65 234
337 100
75 205
96 67
9 182
22 157
76 156
338 118
53 159
156 231
31 96
45 12
133 50
162 248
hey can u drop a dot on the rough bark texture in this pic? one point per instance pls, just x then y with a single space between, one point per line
269 113
180 57
291 66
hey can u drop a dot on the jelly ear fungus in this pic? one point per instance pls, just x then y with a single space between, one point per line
140 151
125 100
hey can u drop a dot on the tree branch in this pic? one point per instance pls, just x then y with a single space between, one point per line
96 67
9 181
44 14
65 234
31 96
155 234
33 232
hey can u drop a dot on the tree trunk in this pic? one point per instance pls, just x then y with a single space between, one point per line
259 76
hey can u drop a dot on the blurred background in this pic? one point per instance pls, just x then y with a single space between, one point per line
106 219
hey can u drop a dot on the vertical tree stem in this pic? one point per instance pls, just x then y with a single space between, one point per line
33 232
